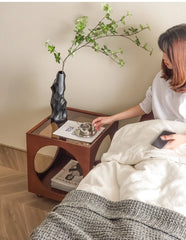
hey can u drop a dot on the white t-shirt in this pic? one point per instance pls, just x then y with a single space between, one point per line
164 102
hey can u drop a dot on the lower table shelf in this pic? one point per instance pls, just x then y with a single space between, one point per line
61 159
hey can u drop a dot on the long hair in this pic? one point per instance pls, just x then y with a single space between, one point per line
173 43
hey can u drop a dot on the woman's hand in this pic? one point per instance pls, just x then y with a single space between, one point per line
175 140
100 121
131 112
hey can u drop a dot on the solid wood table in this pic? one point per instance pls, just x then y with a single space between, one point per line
42 135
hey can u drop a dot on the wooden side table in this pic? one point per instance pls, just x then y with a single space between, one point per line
42 135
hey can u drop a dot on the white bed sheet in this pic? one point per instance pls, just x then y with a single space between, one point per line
134 169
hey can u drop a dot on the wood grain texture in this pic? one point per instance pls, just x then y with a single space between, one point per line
20 211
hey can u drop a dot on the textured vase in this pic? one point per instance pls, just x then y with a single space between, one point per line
58 102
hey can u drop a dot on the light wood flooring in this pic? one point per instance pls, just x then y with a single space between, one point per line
20 211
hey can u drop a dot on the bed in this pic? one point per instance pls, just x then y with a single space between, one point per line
136 192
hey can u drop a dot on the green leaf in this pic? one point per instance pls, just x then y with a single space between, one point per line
57 57
112 27
106 50
122 20
115 55
108 16
104 28
46 43
51 48
121 62
128 14
106 7
96 47
71 52
148 27
80 24
145 46
133 30
120 51
79 39
137 41
89 39
126 32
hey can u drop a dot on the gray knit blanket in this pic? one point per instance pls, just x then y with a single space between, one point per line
83 215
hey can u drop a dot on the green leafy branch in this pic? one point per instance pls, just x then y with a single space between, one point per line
106 27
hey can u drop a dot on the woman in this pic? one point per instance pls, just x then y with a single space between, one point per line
166 98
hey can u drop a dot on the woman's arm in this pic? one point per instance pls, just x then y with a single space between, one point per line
131 112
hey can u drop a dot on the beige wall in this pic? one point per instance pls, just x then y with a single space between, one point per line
93 82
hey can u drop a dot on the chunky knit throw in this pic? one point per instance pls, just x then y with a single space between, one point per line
83 215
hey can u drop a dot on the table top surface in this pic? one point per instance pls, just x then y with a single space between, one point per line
47 127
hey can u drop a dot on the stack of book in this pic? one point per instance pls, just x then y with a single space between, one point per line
68 177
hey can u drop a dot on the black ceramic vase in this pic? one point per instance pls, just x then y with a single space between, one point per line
58 102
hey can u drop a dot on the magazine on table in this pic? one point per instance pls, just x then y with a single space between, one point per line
69 129
68 177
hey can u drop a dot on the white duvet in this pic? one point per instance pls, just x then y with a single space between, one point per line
134 169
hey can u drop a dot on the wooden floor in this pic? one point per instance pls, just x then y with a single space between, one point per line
20 211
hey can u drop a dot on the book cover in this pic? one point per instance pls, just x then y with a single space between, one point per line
68 177
67 130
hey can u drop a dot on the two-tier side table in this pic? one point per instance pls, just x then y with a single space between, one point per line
42 135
